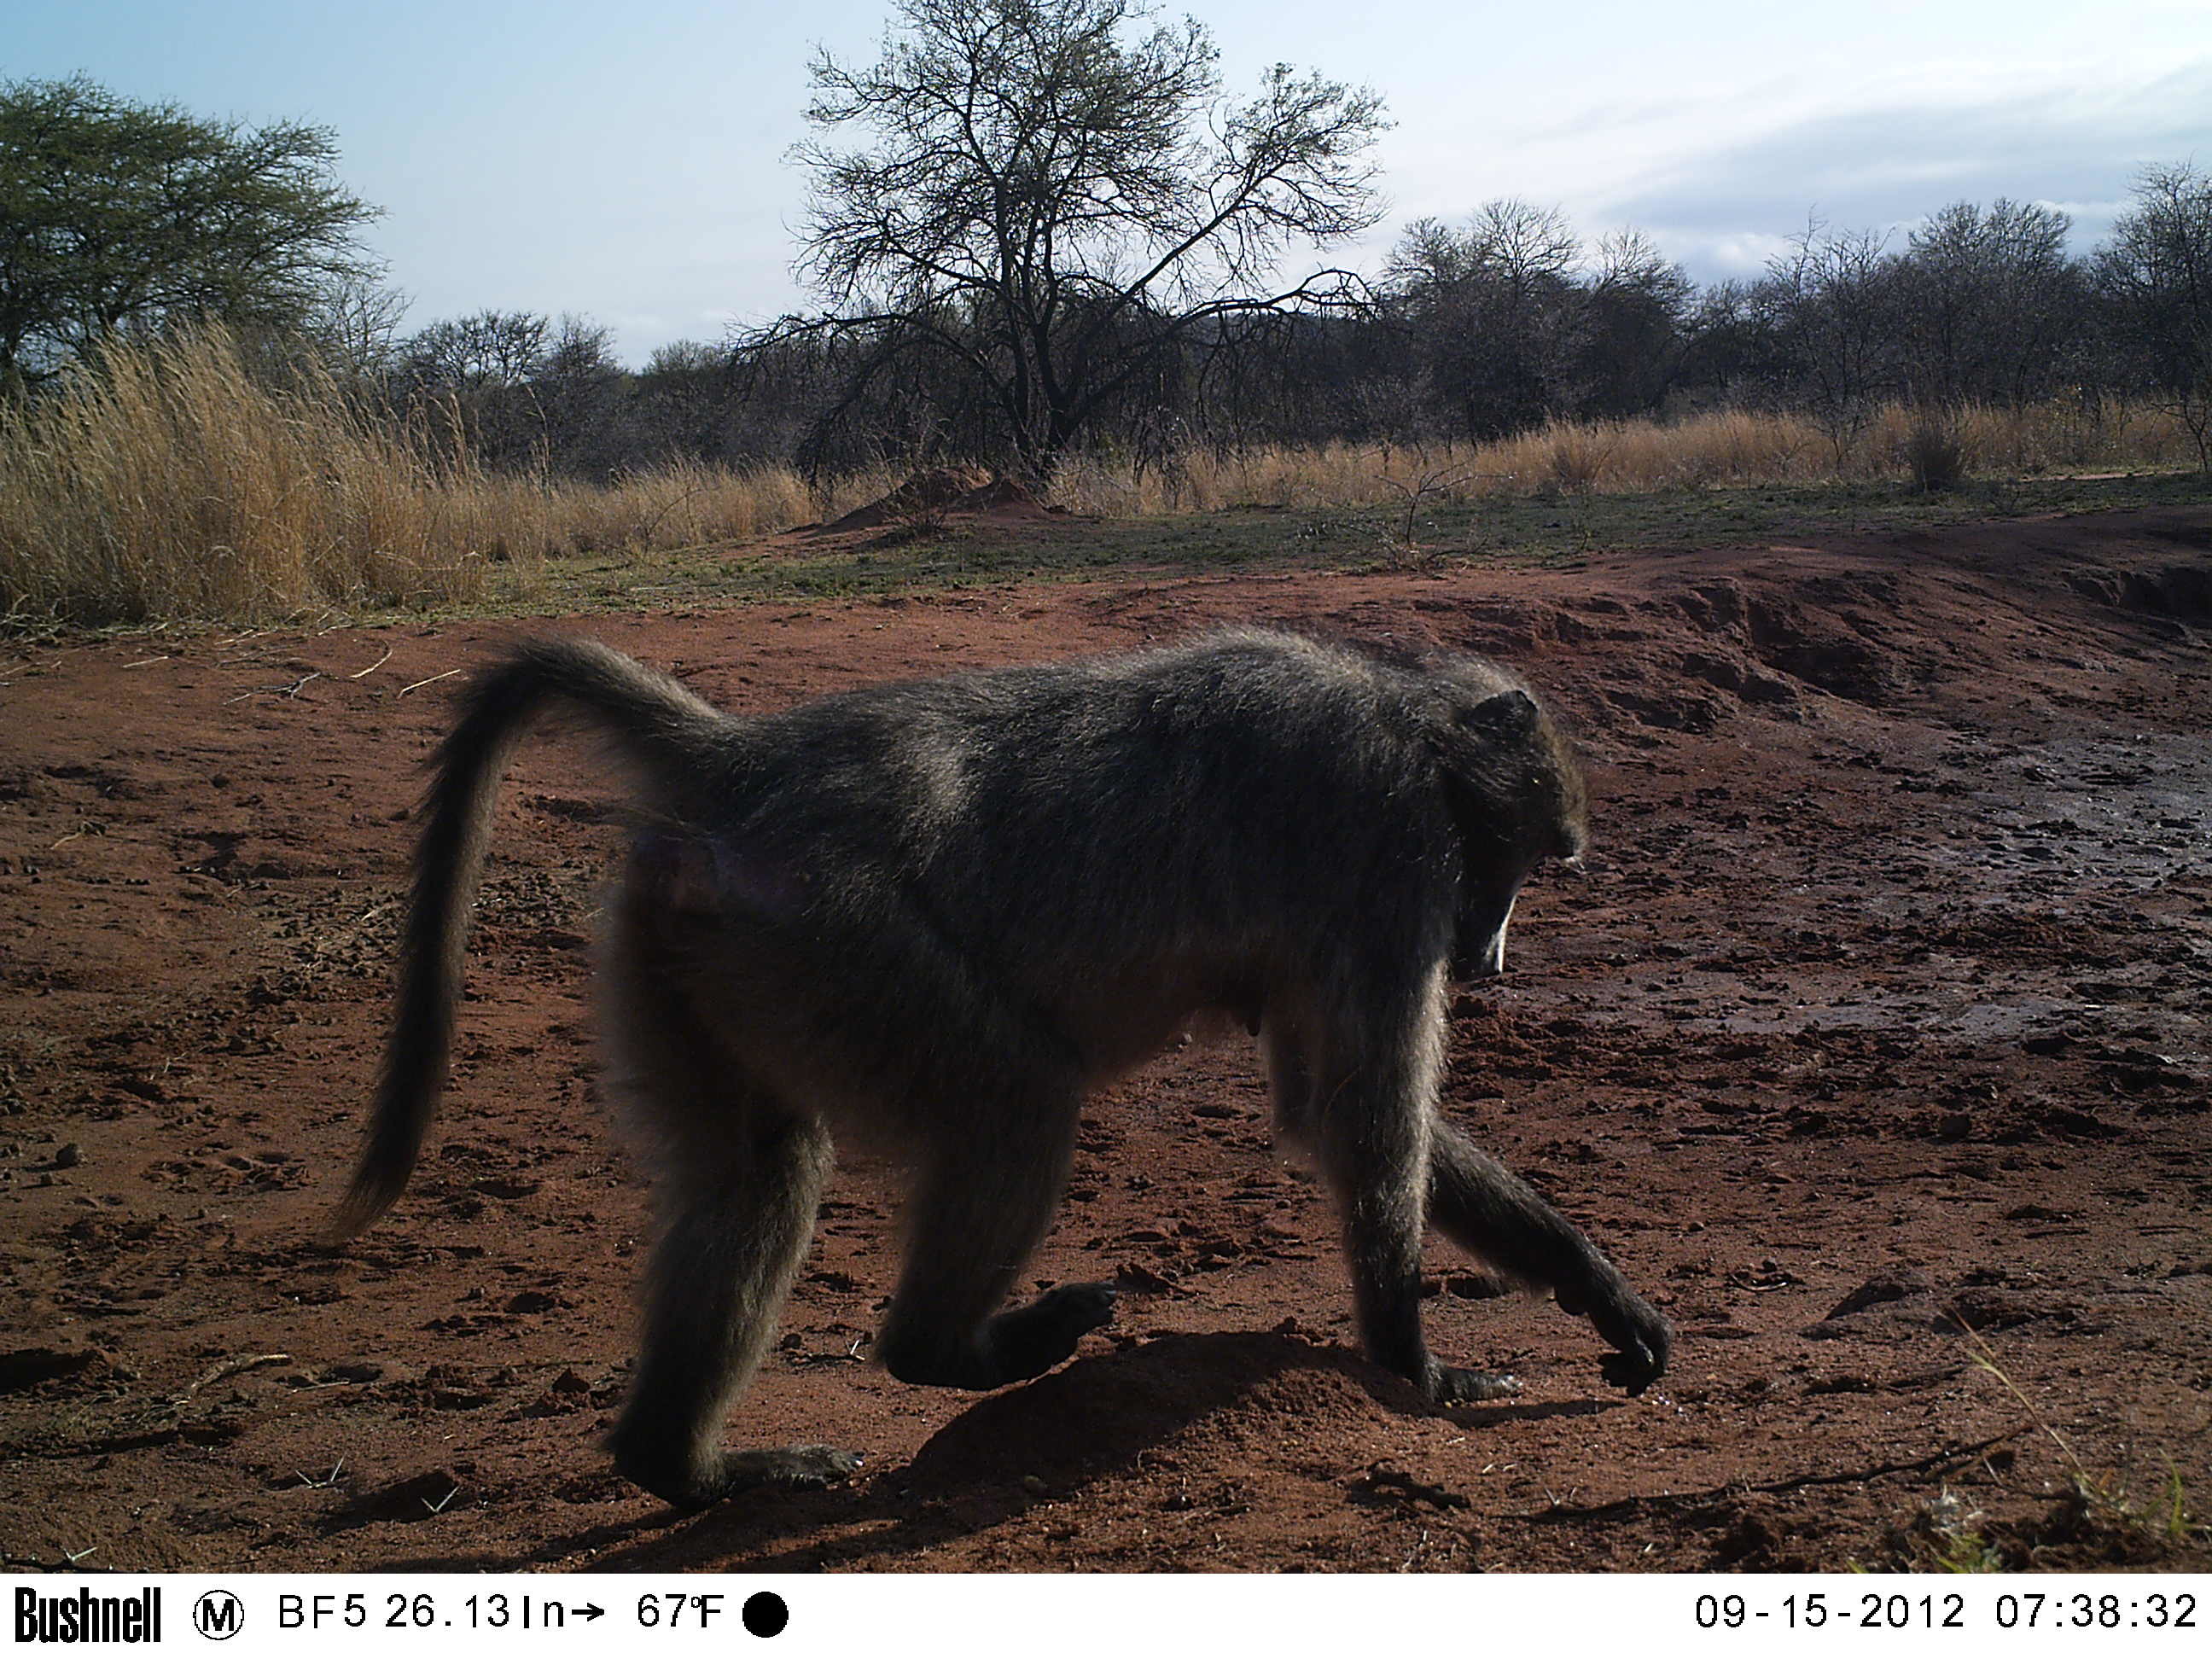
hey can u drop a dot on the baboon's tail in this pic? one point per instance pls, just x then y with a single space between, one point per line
654 721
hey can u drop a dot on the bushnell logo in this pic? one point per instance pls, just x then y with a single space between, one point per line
85 1617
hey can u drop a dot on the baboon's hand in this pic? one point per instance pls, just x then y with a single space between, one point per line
1632 1325
1633 1369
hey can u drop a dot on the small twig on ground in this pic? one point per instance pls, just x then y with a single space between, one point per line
291 690
232 1367
145 662
373 667
1387 1477
1792 1483
434 679
328 1481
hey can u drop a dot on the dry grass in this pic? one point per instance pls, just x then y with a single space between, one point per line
689 504
2091 1520
170 483
1731 447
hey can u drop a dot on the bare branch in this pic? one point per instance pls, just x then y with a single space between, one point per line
1058 196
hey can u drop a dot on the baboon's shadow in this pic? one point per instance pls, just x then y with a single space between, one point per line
1048 1438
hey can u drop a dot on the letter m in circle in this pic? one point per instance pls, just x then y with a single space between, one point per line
218 1615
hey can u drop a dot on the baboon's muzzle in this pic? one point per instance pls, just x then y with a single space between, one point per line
1481 952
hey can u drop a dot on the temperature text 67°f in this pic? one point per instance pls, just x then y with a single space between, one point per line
676 1610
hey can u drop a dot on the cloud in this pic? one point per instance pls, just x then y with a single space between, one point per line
1895 163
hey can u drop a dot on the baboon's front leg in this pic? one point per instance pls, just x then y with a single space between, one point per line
1486 1209
1357 1088
1371 1140
980 1207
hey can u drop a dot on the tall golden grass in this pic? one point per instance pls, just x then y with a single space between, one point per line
169 481
1719 449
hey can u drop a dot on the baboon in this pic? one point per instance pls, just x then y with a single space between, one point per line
939 912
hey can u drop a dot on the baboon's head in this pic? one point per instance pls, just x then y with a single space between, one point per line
1516 798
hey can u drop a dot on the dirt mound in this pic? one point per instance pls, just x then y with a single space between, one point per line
943 492
1102 1416
2183 592
1833 634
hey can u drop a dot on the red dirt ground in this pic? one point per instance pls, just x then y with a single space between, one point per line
1879 1015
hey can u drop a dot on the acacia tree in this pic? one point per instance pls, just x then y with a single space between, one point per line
116 216
1055 202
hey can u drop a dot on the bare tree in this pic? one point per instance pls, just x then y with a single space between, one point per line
1727 352
1829 309
1493 313
2157 270
354 326
1989 304
1636 303
1524 247
1054 200
471 377
578 386
484 350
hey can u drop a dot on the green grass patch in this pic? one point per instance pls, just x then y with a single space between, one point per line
1509 532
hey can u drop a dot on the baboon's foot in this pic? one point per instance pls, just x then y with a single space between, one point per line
1030 1341
1454 1387
1011 1347
696 1484
1636 1328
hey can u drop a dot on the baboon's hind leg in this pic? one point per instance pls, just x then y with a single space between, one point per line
737 1191
1486 1209
979 1208
734 1231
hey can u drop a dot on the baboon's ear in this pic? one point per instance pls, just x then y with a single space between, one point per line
1509 716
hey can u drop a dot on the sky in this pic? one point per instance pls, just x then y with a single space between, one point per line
626 161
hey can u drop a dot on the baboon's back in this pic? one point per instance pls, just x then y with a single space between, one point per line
1083 804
